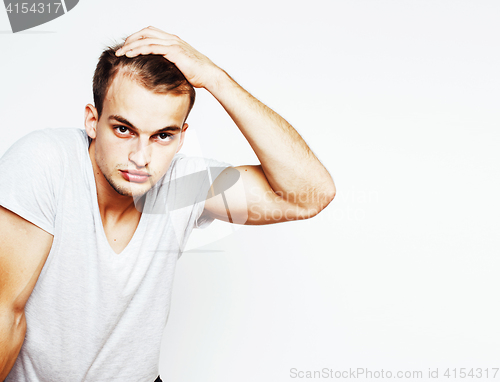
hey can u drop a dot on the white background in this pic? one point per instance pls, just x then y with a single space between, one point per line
399 100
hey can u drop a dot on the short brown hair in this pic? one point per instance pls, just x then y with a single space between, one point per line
154 72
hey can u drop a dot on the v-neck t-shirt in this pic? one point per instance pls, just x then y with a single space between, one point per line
95 315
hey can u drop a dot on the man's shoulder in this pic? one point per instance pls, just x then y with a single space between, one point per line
52 138
35 170
49 143
50 150
56 137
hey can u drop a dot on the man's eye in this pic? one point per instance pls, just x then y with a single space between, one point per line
122 129
165 136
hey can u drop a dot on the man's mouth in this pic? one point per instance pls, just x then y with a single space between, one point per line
135 176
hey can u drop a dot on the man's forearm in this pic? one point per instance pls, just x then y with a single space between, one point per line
291 168
12 332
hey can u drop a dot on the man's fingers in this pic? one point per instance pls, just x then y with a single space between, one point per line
146 41
149 32
148 49
143 33
163 32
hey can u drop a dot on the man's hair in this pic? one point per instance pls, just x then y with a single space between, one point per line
154 72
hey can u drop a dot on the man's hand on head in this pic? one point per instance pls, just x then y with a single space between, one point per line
197 68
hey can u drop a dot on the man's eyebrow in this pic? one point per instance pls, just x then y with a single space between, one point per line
120 119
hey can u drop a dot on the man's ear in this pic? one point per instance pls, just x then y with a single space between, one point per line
181 139
91 117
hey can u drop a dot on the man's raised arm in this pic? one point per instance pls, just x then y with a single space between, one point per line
289 184
23 251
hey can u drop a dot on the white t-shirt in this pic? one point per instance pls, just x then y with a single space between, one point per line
95 315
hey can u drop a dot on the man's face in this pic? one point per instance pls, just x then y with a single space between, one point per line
136 137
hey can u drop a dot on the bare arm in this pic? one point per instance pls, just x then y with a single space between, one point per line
289 184
23 251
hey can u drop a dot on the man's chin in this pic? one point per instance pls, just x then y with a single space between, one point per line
138 190
130 189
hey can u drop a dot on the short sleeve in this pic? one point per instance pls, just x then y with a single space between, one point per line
214 169
30 174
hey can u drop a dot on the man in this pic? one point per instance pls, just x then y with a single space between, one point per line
92 222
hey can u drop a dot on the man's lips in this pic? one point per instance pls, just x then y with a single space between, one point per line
135 176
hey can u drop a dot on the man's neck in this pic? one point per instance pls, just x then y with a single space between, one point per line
119 215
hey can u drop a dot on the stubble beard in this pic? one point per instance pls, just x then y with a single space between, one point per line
120 190
125 191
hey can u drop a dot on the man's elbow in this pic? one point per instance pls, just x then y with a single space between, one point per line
325 198
320 199
329 196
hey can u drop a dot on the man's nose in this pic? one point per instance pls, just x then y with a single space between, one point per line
141 153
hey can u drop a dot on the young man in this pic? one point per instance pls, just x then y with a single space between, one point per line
92 222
